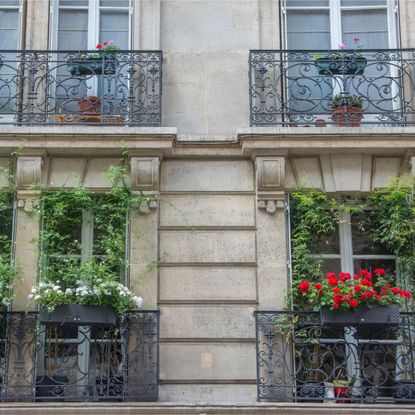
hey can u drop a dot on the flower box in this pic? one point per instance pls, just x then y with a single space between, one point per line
79 315
345 65
93 65
375 315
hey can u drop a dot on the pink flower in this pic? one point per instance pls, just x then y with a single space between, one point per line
342 46
112 42
356 40
98 46
105 43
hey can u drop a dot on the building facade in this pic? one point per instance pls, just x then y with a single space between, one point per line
220 126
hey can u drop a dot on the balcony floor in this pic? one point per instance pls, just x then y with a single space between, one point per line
203 409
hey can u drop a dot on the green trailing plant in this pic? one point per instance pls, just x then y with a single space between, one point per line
72 271
392 224
346 100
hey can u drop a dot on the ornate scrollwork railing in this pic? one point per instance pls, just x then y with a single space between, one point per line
300 360
296 87
47 87
79 363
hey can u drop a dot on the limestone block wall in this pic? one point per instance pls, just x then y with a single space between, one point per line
207 288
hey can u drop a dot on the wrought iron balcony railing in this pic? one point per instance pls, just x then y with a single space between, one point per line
300 87
67 87
300 360
86 363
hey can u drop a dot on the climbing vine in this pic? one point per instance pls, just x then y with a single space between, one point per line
83 245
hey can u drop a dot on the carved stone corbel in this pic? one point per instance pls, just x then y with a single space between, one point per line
28 200
28 171
270 178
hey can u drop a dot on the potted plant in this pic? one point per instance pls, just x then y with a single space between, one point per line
346 300
347 110
103 62
93 299
342 63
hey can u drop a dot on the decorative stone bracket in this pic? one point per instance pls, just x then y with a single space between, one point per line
270 178
28 171
28 200
145 173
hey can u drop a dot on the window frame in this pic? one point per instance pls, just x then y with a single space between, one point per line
335 9
94 8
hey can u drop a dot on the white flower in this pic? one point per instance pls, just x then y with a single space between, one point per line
138 301
30 296
68 291
33 290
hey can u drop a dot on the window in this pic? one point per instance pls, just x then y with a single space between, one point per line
81 24
350 249
9 40
321 25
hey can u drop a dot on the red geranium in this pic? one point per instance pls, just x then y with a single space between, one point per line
304 286
344 292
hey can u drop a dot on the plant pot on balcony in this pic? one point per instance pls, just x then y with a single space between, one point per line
90 105
377 315
51 388
93 65
344 65
79 315
347 116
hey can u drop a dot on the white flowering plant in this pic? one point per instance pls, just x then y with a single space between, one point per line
96 285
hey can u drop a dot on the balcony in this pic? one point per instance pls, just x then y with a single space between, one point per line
80 87
87 363
299 360
299 88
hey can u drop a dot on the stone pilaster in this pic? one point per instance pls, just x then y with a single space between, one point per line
144 230
271 232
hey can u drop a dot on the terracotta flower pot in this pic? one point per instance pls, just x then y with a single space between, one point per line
342 394
346 116
89 105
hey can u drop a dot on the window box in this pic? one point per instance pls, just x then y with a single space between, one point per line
93 65
79 315
345 65
376 315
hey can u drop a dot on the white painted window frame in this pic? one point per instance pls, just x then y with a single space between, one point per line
94 9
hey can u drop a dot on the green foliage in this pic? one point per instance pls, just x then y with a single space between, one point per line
69 271
389 220
8 270
393 224
313 214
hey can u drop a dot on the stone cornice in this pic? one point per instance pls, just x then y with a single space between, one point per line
317 140
87 140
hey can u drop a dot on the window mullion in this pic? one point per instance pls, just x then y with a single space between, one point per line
346 248
93 23
335 24
87 236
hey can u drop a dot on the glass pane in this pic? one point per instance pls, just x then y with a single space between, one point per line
9 23
371 264
370 26
79 3
115 3
73 29
326 244
114 26
307 3
331 265
363 3
362 245
9 3
308 29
